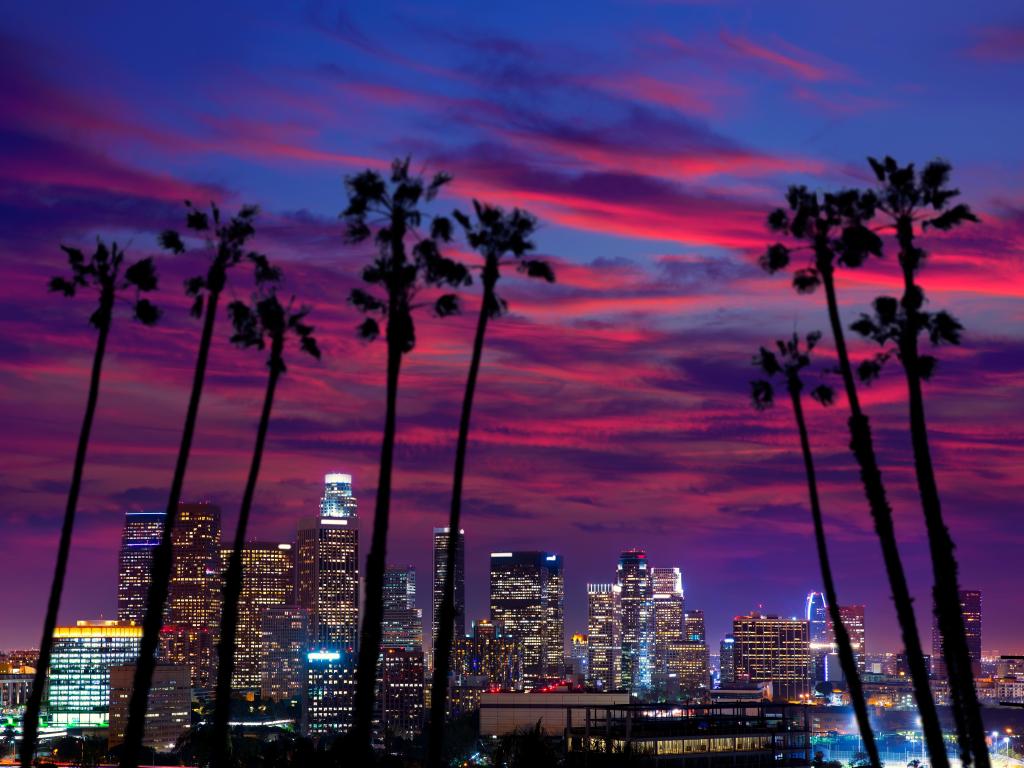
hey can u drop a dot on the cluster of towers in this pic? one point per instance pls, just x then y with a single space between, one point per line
640 636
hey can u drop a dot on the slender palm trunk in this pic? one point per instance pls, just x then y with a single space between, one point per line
233 583
445 624
31 722
160 571
369 646
847 660
862 446
970 728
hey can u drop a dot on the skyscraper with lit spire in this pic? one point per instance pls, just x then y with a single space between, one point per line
327 566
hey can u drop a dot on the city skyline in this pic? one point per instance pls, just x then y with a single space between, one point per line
627 423
672 579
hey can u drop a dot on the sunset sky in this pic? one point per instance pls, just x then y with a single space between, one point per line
650 139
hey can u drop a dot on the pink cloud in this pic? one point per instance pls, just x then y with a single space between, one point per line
784 56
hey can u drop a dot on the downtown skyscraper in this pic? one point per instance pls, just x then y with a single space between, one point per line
669 616
268 581
770 649
970 608
820 632
327 567
194 595
634 578
852 617
527 603
440 569
402 625
141 534
604 635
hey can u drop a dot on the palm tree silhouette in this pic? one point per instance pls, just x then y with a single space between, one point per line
501 238
266 324
911 200
833 228
787 363
392 206
105 273
227 240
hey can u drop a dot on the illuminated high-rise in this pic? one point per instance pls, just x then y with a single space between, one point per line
268 580
194 595
604 640
327 567
668 612
400 702
329 693
402 625
284 640
820 632
770 649
727 661
634 577
78 681
487 658
853 619
139 537
970 608
440 569
527 603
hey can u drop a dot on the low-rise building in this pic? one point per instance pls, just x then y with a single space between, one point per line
169 715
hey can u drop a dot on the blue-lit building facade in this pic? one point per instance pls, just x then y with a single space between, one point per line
78 687
635 579
139 537
329 694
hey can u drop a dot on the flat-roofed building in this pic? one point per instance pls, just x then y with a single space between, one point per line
78 681
169 714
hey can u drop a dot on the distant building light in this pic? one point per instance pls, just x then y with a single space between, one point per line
337 477
323 656
284 546
333 521
501 554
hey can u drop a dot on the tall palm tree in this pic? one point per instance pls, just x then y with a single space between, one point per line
787 363
227 241
501 238
912 201
106 273
393 208
267 324
833 228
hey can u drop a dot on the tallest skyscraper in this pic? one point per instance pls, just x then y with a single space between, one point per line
327 566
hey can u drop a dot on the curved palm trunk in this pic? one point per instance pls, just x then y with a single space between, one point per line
160 572
370 639
863 449
233 585
445 625
30 724
847 660
970 728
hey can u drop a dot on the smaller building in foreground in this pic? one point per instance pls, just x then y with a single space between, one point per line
330 691
78 682
556 709
169 715
741 735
